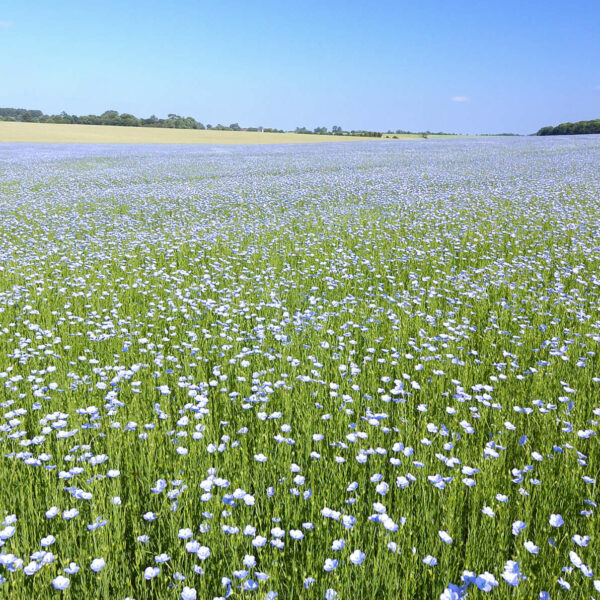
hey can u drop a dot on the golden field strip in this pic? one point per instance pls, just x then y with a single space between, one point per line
51 133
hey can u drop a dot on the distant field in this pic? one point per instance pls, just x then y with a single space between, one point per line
50 133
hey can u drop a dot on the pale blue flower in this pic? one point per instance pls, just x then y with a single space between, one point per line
445 537
486 582
52 512
60 583
330 564
188 593
531 547
518 526
337 545
309 581
97 565
72 569
556 520
564 584
581 540
32 568
512 574
453 592
162 558
249 561
151 573
250 585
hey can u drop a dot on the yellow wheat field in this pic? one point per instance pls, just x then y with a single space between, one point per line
50 133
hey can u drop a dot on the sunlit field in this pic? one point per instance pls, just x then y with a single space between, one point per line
353 371
51 133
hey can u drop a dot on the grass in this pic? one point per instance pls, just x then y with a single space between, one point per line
50 133
355 315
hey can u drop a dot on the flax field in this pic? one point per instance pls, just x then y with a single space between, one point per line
340 371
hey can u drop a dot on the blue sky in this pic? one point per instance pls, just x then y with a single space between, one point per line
456 66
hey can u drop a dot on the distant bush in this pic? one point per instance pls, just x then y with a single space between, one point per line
375 134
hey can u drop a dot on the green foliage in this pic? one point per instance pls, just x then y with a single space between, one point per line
578 128
17 113
376 134
108 117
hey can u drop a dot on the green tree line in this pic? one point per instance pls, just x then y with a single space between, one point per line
578 128
113 117
337 130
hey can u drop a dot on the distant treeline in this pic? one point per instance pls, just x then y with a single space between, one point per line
173 121
337 130
578 128
422 133
112 117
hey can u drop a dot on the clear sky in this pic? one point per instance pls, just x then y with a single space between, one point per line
457 66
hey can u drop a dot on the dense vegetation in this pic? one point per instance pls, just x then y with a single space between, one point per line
111 117
578 128
364 371
337 130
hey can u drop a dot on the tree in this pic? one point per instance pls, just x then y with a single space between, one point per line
578 128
